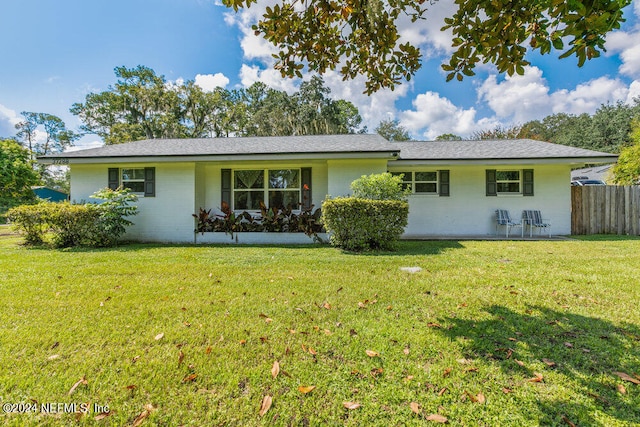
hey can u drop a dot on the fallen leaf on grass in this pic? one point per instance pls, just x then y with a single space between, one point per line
478 398
372 353
159 336
442 391
415 407
434 325
266 404
437 418
520 363
376 372
148 409
312 351
275 369
53 357
306 389
268 320
446 372
82 380
549 363
406 350
627 377
180 357
621 389
208 350
102 416
131 387
326 305
506 390
537 379
568 421
351 405
243 342
190 378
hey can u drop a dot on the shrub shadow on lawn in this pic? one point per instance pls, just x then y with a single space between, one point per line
583 351
416 247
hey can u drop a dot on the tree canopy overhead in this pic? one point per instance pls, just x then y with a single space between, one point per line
363 38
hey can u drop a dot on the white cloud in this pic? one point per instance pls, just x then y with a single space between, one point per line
587 97
8 119
521 97
634 92
85 143
253 46
518 99
272 78
208 82
626 45
373 108
434 115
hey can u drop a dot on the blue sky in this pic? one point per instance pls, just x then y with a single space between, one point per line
54 53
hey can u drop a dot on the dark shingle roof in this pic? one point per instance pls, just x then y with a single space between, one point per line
353 143
492 149
424 151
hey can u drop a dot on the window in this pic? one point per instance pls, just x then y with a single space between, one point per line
432 182
280 187
133 179
508 182
139 180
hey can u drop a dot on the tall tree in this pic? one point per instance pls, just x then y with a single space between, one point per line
16 174
627 170
55 138
363 38
448 137
391 130
143 105
27 132
608 129
499 132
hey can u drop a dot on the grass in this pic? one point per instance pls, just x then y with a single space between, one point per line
481 321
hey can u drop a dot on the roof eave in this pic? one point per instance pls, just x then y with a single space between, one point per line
66 160
508 161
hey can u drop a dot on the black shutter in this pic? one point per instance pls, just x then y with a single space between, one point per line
306 187
149 182
527 182
492 187
226 187
443 181
114 178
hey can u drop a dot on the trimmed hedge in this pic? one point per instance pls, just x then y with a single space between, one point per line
357 224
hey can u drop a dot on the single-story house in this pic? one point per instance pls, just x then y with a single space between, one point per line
50 194
456 185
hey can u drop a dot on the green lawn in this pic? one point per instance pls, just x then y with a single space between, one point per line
487 334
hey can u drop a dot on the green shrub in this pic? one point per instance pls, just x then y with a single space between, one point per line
76 225
358 224
32 221
382 186
72 225
113 212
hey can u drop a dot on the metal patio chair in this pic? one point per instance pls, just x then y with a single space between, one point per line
504 219
533 219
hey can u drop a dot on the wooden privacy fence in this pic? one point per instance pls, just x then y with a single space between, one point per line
605 209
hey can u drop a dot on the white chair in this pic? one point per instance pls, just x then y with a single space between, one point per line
504 219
